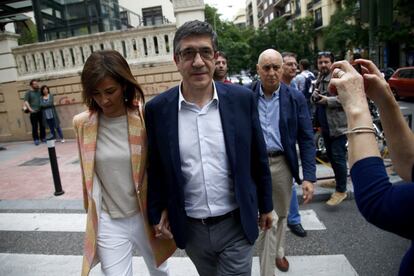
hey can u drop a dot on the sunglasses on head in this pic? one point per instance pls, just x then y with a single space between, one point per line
325 54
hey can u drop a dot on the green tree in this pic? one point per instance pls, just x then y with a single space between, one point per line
343 32
28 34
280 36
243 45
401 30
231 39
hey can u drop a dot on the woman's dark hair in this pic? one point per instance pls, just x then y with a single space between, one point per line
109 63
42 88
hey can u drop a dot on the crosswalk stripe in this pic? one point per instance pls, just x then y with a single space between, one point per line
76 222
310 220
68 265
42 222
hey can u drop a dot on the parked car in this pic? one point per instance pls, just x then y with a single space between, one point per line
402 82
245 80
234 79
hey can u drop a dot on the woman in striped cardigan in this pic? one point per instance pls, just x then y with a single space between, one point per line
112 146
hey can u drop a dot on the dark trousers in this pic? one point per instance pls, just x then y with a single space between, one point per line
52 126
220 249
336 151
37 124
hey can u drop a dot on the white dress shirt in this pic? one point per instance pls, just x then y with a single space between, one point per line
208 188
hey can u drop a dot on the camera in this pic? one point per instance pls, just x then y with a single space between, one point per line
316 96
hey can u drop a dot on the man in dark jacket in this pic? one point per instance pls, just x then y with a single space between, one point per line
208 175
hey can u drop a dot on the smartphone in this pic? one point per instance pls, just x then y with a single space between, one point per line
357 67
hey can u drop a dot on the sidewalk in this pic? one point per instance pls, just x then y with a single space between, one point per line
26 172
26 177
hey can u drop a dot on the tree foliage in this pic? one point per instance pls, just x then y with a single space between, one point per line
343 33
243 45
401 29
29 33
232 40
283 38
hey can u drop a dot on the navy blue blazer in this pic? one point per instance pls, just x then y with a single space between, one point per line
295 125
246 151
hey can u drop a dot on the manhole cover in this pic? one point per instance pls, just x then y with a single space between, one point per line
36 162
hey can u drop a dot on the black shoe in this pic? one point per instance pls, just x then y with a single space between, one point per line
297 229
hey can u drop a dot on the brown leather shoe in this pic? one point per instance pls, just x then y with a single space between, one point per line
282 264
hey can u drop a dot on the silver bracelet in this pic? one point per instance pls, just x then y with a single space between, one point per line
361 129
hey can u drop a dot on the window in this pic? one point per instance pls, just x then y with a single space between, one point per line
152 16
406 74
297 11
318 18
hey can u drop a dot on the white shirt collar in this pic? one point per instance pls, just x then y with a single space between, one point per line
181 98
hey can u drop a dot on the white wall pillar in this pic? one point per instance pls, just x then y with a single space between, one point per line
8 66
186 10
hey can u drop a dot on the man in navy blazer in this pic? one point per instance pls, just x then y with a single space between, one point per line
208 175
285 121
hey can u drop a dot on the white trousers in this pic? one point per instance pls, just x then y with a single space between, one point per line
116 240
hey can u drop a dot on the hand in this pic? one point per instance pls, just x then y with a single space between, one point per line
307 188
322 100
265 221
162 229
349 86
376 87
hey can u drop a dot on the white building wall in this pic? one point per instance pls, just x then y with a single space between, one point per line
254 9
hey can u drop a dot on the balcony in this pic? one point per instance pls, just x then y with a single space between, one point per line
287 14
309 6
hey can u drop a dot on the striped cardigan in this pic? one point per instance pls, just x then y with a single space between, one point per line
86 128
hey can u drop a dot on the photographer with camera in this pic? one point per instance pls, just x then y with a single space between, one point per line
331 117
386 205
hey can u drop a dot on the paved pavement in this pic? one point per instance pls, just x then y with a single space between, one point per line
41 234
26 176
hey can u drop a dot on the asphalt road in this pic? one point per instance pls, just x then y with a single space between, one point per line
368 249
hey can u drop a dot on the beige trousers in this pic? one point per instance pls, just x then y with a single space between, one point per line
271 243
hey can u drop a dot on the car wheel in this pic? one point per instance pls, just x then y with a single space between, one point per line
319 145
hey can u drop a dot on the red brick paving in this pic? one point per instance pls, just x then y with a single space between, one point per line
36 182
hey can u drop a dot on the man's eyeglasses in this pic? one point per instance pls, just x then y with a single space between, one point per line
267 67
190 53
